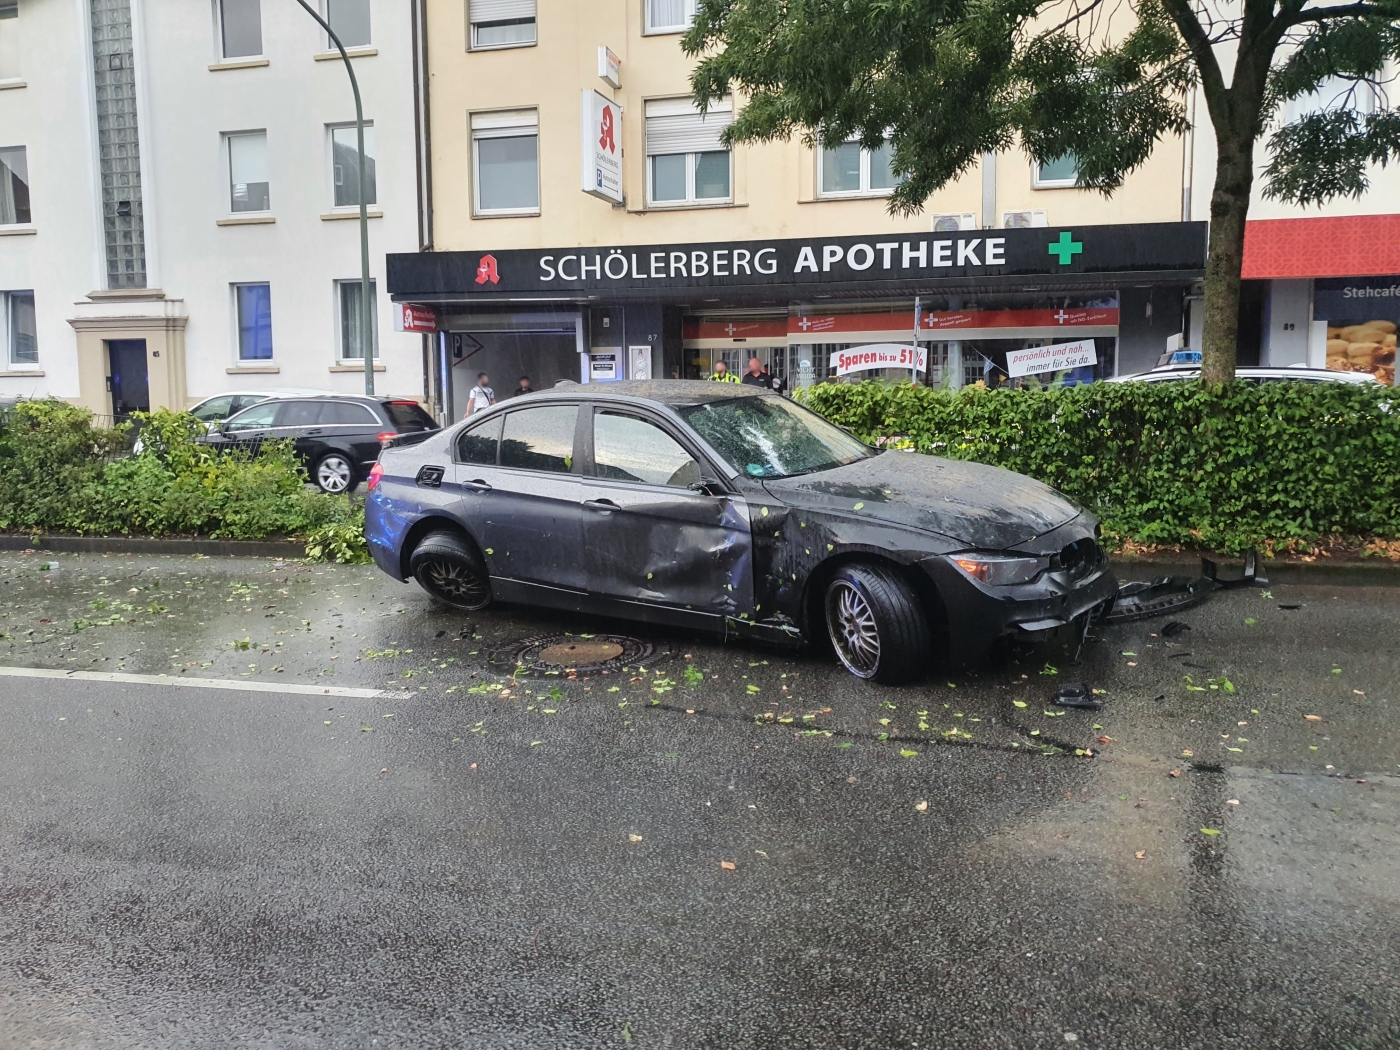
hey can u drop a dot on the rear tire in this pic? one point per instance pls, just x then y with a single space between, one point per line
446 566
335 474
876 624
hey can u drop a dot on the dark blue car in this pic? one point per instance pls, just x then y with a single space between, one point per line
733 510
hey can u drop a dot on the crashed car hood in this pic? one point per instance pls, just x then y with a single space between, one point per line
978 505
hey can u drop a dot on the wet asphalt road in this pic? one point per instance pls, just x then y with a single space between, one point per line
481 861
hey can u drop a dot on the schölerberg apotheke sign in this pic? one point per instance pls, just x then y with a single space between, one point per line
1177 247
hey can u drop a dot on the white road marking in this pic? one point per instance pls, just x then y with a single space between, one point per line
204 683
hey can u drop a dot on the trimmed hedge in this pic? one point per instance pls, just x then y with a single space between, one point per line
60 473
1245 465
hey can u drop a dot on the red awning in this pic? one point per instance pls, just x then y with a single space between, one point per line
1331 246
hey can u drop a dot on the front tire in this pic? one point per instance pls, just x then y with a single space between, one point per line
446 566
876 624
334 474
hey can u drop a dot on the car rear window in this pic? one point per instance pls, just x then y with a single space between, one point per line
409 415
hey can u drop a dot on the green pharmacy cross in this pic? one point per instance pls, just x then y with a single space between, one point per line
1066 248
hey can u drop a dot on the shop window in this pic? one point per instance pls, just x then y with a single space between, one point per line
349 296
350 21
626 448
540 439
240 28
1061 172
14 186
505 152
21 344
253 307
247 172
501 23
850 170
9 40
668 16
687 163
345 166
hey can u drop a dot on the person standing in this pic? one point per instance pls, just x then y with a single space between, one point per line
523 387
481 396
754 376
722 374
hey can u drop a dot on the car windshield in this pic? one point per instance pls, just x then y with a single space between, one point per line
770 437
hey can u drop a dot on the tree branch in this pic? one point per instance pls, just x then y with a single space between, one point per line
1322 14
1200 46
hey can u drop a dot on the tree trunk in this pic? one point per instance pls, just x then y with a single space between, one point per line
1229 206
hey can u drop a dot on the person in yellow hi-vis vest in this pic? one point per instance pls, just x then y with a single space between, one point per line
722 374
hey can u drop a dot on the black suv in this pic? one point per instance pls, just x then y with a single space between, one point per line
338 437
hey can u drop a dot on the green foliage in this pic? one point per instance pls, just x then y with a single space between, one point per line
341 541
59 472
1166 463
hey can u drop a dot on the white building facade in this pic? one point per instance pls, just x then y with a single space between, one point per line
179 198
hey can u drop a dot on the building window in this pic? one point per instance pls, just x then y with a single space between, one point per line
345 165
502 23
247 172
14 186
350 20
1063 171
240 28
668 16
254 307
849 170
686 161
506 158
9 40
17 329
352 329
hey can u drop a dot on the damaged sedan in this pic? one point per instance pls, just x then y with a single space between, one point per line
729 509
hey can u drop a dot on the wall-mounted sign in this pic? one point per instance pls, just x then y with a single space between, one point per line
1168 249
413 319
600 125
609 66
602 365
1058 358
878 355
639 362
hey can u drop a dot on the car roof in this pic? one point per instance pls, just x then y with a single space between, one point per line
663 391
1303 372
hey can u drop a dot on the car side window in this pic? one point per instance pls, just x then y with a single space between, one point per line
215 408
299 414
478 445
627 448
540 438
345 413
247 401
259 417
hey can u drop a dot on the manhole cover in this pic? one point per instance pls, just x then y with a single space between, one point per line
603 652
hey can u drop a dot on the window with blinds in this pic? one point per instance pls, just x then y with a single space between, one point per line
506 162
687 162
501 23
668 16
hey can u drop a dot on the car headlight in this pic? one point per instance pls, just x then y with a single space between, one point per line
1000 570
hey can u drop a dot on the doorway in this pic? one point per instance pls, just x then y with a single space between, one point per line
131 390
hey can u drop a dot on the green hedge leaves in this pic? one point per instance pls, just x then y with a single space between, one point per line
1247 465
60 473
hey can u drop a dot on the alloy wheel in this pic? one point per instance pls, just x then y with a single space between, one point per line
333 474
455 583
851 623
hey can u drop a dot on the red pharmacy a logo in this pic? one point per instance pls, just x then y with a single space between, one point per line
605 137
486 270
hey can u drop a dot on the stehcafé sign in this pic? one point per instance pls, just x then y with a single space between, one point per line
888 257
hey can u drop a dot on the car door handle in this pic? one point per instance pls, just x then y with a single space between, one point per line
476 486
605 505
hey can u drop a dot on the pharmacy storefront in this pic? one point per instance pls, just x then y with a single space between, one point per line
989 306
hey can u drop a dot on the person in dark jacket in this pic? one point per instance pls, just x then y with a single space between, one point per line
523 387
754 376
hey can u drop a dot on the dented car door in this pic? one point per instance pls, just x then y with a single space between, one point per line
663 539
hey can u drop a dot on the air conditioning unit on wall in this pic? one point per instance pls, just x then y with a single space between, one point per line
951 222
1022 220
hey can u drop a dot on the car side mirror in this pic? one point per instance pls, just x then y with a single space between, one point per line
705 485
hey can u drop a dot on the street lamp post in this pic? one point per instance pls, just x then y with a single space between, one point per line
366 310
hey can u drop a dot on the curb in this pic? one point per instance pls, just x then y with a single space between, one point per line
1377 573
286 550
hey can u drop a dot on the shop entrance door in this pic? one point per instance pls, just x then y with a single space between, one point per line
130 387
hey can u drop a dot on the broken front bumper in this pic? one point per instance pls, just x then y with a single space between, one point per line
977 614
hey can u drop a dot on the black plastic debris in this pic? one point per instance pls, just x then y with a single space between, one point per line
1290 606
1142 600
1172 628
1076 694
1249 574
